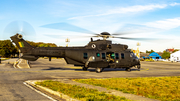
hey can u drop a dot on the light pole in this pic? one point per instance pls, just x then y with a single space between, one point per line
67 41
138 52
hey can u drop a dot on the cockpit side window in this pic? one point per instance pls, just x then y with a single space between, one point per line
122 55
85 56
131 54
103 56
117 55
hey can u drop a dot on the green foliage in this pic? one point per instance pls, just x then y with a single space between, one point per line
150 51
81 93
166 55
151 60
161 88
41 44
175 50
7 49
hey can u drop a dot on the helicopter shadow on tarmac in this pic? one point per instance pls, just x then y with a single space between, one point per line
91 69
59 68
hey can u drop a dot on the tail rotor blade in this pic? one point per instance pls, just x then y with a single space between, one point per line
20 27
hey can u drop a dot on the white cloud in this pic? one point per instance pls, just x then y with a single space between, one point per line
130 9
174 4
165 24
123 10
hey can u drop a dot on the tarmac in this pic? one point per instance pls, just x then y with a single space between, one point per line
14 87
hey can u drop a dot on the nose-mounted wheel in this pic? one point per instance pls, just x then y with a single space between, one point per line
99 70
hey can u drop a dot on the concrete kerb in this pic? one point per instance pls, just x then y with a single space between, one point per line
61 95
101 89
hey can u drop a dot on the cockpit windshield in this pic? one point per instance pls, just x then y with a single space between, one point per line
133 55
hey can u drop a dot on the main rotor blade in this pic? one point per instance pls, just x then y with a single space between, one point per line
139 39
69 36
135 29
67 27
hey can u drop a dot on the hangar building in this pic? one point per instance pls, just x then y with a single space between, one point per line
175 56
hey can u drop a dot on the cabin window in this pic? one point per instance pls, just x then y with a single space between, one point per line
97 54
117 55
122 55
103 55
85 55
112 56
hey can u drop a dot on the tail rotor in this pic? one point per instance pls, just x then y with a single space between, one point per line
22 28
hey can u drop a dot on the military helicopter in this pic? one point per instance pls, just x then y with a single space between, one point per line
98 54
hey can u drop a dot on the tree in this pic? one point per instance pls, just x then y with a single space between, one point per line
175 50
149 51
41 44
7 49
165 55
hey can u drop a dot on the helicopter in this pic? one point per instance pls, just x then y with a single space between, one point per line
98 54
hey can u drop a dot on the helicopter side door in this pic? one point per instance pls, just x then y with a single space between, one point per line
110 57
123 59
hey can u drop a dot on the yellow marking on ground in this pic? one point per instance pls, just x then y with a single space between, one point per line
94 75
56 77
76 67
73 67
145 69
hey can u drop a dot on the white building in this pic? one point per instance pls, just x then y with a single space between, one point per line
175 57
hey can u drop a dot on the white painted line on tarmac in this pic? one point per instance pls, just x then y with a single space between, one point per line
39 92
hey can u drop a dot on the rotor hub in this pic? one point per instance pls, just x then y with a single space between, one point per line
105 33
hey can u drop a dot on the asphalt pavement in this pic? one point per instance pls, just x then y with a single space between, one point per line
11 79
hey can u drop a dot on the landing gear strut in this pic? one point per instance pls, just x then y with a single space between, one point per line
138 67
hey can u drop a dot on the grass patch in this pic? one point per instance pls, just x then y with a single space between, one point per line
4 59
80 93
151 60
161 88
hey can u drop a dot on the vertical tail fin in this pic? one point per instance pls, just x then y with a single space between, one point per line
21 43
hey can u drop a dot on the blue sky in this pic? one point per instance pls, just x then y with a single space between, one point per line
97 16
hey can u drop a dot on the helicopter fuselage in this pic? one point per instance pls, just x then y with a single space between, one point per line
97 54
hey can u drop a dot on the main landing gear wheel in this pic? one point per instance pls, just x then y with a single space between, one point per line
99 70
128 69
85 68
